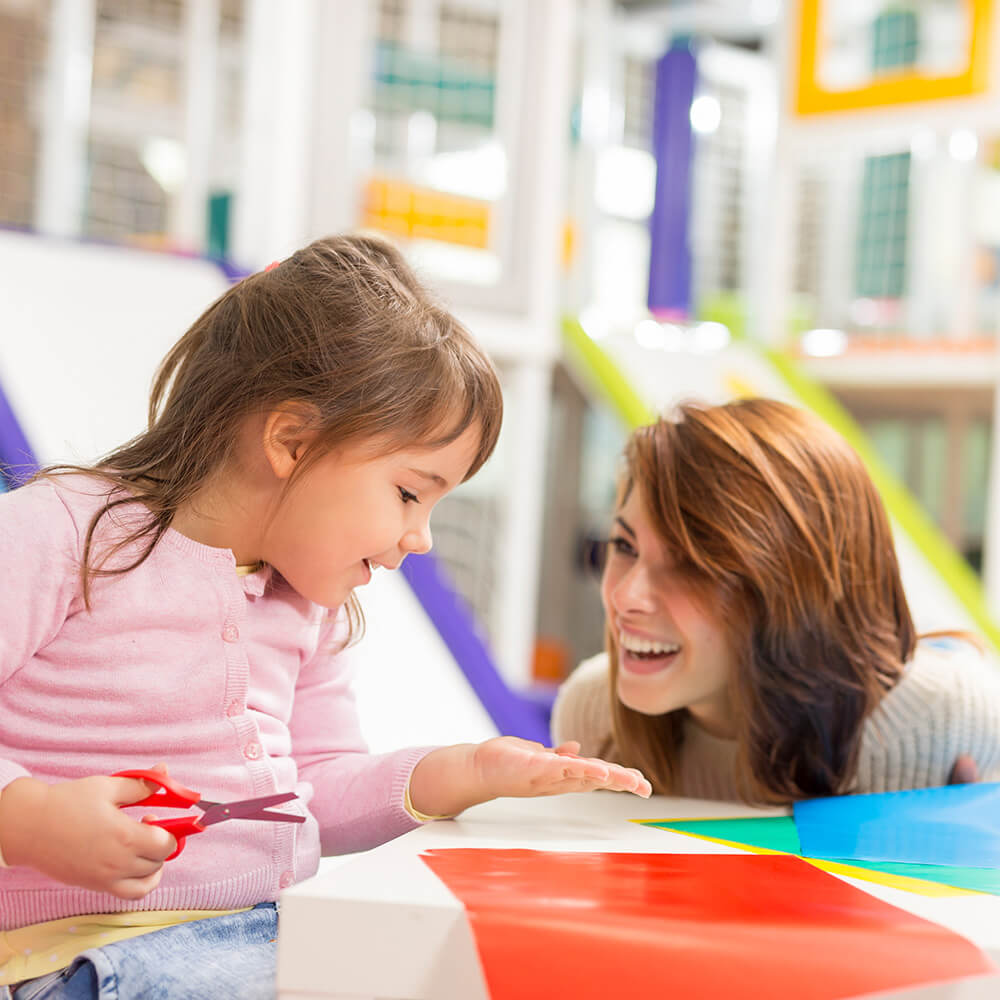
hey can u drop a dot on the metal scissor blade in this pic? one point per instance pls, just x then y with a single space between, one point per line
250 809
265 815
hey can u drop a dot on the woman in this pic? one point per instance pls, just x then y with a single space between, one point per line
758 641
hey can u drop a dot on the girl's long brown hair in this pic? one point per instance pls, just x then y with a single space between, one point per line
777 524
343 328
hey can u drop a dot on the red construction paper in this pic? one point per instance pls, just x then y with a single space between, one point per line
550 925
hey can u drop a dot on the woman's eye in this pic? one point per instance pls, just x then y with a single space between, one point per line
406 496
621 546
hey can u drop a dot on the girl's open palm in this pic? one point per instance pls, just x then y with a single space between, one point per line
510 766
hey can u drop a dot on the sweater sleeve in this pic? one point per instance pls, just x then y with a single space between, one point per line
947 704
39 578
582 710
358 797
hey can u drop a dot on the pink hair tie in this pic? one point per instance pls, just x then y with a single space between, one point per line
272 265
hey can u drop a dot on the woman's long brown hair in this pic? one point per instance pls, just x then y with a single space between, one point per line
343 328
786 541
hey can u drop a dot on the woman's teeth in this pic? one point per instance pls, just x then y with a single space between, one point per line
646 647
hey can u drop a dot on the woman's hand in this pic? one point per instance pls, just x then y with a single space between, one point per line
451 779
76 833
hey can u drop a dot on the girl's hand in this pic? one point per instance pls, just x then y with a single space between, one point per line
451 779
75 833
509 766
964 771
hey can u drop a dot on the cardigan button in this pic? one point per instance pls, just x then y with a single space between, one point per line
230 633
287 878
253 751
234 708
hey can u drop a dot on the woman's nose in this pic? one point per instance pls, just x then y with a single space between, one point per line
635 590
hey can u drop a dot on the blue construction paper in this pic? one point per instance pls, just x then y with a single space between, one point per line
955 825
778 833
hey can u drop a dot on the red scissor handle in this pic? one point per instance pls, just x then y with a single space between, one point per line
181 827
171 794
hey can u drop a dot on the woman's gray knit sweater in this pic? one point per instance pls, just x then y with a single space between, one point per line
946 704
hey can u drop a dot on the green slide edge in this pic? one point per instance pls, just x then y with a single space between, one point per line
608 380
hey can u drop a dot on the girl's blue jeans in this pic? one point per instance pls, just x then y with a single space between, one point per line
225 958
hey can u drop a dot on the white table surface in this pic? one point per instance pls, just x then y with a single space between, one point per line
382 926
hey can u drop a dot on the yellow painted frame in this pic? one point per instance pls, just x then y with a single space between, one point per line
905 87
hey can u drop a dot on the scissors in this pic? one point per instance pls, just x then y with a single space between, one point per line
173 795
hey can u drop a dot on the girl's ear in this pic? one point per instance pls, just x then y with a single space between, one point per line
288 431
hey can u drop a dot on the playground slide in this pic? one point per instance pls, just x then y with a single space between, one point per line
640 381
410 689
82 328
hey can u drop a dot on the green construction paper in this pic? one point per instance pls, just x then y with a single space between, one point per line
978 879
778 833
773 833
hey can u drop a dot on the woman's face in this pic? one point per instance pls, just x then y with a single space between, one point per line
672 650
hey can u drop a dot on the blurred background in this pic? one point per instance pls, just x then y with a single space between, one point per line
629 202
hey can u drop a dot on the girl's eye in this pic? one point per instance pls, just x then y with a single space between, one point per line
406 496
621 546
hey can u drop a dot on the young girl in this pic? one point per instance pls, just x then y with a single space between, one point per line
759 644
170 603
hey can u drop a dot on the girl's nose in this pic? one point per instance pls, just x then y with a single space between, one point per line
418 540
